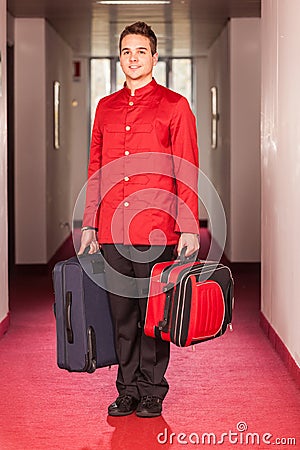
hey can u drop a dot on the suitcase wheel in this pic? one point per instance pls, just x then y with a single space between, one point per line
92 352
92 366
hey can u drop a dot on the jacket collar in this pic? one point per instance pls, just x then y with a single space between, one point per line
140 92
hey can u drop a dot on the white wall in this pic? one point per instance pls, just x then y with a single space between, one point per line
42 174
80 138
219 158
30 141
245 99
202 112
234 166
3 167
280 163
58 161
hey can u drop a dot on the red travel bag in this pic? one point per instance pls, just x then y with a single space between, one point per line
189 302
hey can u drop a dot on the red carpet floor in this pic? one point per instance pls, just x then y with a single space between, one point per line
236 381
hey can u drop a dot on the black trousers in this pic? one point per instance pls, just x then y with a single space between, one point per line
143 360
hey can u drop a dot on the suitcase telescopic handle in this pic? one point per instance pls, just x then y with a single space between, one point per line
168 289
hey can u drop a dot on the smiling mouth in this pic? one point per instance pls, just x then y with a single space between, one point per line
134 67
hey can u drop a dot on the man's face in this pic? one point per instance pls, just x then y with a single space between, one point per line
136 59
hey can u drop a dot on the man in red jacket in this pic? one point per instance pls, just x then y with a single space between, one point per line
141 202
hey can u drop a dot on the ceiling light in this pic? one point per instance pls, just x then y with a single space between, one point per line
134 2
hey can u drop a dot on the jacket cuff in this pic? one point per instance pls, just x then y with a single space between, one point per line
187 226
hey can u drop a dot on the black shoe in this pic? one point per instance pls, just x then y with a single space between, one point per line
123 406
149 406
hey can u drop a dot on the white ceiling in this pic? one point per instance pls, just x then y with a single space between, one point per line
183 28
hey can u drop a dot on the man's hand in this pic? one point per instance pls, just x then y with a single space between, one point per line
89 238
189 240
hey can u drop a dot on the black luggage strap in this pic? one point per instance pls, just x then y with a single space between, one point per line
97 266
168 289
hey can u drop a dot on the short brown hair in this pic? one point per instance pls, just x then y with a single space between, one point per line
144 30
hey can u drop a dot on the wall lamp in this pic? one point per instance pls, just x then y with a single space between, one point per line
134 2
56 114
214 116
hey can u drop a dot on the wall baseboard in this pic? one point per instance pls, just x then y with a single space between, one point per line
28 269
4 325
280 348
65 251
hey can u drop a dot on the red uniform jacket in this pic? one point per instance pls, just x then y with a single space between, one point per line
143 169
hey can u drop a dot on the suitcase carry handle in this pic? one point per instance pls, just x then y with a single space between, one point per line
184 259
97 263
168 289
70 335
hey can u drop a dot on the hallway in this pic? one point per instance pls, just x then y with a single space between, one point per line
237 378
236 59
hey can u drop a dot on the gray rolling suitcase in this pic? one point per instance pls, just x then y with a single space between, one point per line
84 328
